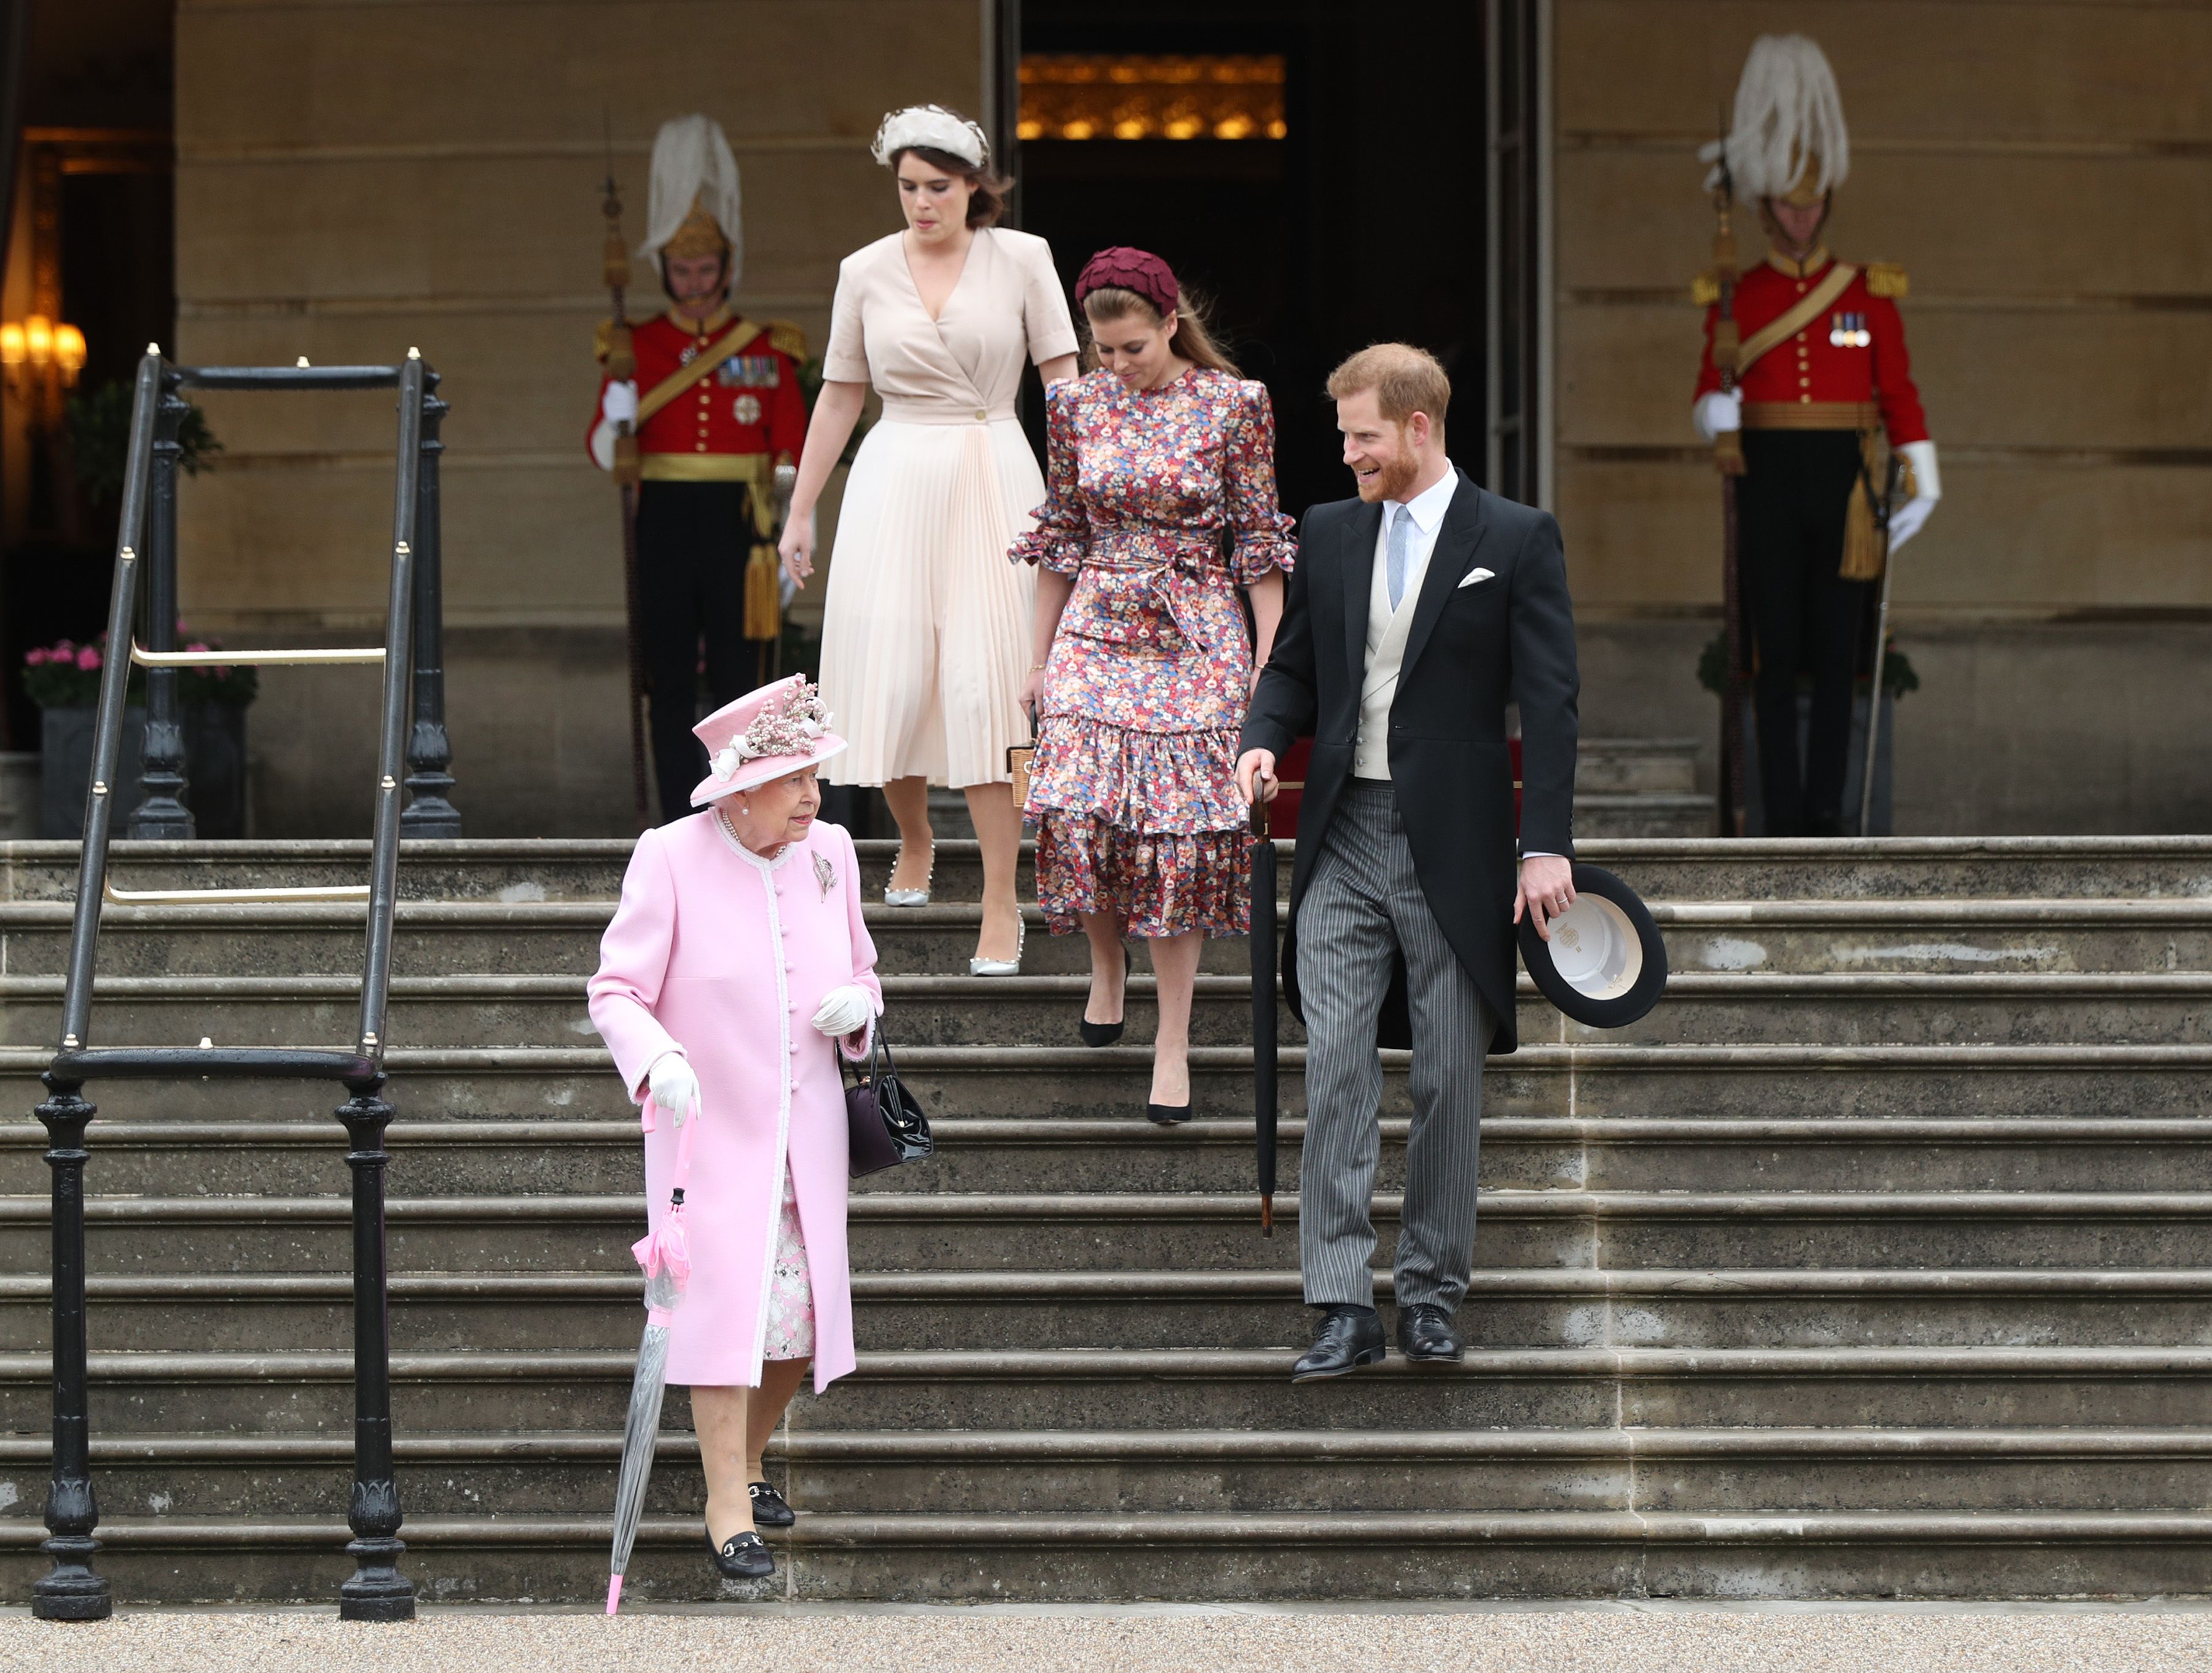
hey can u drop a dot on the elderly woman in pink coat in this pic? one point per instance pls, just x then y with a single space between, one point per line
736 968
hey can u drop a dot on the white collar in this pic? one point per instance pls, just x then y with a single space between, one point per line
763 862
1430 505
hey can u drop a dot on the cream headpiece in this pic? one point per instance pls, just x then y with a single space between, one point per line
935 127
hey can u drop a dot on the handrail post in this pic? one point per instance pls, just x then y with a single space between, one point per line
161 814
429 810
378 1591
71 1591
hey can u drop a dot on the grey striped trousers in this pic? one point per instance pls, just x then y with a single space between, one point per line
1364 903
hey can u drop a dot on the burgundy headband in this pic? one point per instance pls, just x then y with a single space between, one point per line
1126 269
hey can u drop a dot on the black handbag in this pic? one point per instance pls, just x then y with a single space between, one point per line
883 1118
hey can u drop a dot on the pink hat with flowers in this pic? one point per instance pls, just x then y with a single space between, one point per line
764 734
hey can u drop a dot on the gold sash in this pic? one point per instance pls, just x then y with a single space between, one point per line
1782 329
736 340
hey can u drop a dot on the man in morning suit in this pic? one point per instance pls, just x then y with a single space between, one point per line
1415 614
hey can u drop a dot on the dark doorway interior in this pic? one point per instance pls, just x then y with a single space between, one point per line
1363 223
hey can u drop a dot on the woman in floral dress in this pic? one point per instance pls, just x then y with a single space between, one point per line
1160 504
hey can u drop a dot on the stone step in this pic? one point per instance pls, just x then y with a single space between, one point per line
1170 1388
1701 1007
1590 1078
550 1312
479 938
1879 868
1603 817
1635 766
1216 1558
186 1478
920 1232
478 1157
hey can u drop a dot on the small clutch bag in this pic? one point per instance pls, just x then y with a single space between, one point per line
1018 756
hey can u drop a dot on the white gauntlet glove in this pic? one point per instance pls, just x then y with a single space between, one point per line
618 406
675 1088
845 1011
1908 519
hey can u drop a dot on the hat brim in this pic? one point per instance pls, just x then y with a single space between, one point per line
1606 963
758 773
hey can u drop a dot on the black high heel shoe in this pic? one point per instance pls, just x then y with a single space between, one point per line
742 1557
1096 1034
1167 1115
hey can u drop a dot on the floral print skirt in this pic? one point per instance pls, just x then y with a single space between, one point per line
791 1289
1156 884
1143 826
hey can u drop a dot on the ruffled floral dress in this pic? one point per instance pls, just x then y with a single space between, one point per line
1161 504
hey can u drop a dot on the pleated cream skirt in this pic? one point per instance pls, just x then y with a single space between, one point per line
926 626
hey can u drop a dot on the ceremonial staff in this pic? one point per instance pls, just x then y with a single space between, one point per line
622 366
1727 460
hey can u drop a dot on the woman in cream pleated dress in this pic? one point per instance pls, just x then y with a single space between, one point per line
926 627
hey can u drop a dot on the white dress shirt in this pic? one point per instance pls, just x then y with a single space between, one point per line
1387 628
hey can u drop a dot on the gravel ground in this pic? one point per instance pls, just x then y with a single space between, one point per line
1142 1640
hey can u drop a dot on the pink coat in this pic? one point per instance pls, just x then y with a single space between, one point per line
729 955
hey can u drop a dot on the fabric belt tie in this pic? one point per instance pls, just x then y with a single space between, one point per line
942 412
1176 578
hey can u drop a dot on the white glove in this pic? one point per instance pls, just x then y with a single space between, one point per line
845 1011
1717 410
675 1088
1909 518
617 407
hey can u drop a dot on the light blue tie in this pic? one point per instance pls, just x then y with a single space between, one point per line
1402 536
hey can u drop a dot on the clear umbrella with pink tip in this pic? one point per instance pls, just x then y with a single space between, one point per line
666 1257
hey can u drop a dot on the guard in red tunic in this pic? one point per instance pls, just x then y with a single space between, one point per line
718 412
1821 377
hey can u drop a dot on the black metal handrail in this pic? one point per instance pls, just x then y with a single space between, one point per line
377 1591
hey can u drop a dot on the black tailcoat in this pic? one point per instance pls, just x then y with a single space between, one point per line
1470 651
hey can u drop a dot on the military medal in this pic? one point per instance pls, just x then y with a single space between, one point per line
1849 331
746 408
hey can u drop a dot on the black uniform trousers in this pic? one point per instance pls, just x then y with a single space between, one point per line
1805 618
693 541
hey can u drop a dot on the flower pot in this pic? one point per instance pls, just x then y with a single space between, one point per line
215 769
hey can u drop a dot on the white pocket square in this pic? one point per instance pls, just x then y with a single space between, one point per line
1474 576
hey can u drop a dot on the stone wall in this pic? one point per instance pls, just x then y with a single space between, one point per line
2045 171
357 176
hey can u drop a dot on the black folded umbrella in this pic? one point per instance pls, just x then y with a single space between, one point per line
1263 1009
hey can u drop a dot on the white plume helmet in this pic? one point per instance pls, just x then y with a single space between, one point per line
934 126
692 166
1788 114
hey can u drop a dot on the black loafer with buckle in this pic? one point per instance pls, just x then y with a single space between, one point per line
742 1557
769 1509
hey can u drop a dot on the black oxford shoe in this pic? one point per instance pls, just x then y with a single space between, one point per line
742 1557
1346 1338
769 1509
1425 1332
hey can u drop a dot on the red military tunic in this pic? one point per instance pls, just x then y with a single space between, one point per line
750 405
1846 366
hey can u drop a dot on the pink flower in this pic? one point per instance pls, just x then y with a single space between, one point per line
64 648
87 659
198 645
34 656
